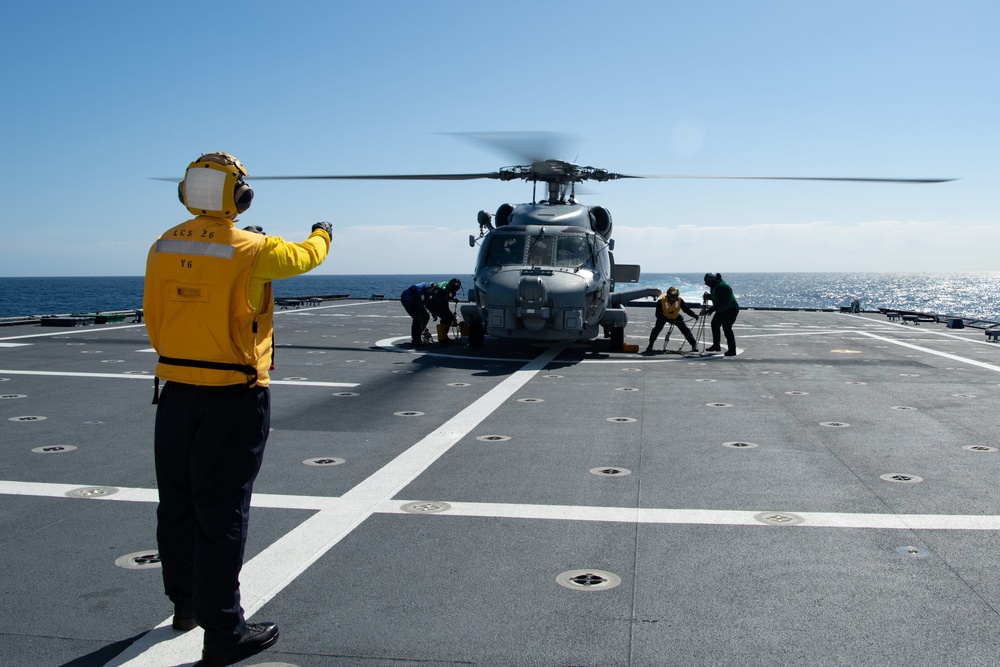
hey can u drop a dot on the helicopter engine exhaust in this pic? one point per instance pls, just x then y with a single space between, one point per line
601 221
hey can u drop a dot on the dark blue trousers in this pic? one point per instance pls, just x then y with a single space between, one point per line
209 445
414 306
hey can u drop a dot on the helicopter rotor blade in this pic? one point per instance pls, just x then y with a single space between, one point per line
382 177
800 178
529 147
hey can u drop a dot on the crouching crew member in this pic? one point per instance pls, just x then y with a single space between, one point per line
425 300
209 309
725 310
668 309
440 296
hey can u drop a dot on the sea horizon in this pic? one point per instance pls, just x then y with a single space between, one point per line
969 294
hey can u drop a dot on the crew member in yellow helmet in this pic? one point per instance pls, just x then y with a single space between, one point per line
668 309
208 306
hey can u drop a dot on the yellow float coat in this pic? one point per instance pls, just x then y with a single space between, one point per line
208 299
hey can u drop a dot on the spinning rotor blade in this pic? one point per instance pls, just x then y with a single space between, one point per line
805 178
383 177
530 147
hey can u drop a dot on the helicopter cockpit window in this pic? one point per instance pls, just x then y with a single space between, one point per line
506 250
573 250
540 250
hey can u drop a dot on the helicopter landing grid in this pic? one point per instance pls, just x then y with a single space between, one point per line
826 497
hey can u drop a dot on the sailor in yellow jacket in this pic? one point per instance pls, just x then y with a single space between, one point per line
209 312
668 309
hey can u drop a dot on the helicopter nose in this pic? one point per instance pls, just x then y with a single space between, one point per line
533 303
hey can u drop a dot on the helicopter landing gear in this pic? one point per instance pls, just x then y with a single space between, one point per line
617 338
477 335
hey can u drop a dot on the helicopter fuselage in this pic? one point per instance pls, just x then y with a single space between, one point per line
544 274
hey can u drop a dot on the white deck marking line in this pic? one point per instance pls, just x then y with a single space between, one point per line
946 355
645 515
300 383
82 330
265 575
77 330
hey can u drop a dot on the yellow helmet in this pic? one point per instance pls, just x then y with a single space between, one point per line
214 185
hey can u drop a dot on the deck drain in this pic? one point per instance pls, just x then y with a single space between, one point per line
626 389
770 372
531 400
901 478
902 407
27 418
632 370
588 580
425 508
846 351
857 383
53 449
112 361
621 420
92 492
409 413
908 375
779 518
797 393
706 380
979 448
295 378
140 560
719 405
459 384
834 424
93 422
10 396
964 395
346 394
354 361
402 372
493 438
136 372
91 351
610 472
913 552
739 445
324 461
554 377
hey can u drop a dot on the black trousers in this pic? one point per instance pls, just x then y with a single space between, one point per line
678 321
208 445
415 308
724 320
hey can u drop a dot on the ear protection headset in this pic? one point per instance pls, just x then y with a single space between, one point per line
221 191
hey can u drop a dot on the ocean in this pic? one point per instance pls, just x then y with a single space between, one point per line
972 295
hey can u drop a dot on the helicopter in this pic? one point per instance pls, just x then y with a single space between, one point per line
545 270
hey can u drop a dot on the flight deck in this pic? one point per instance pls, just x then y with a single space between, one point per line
829 496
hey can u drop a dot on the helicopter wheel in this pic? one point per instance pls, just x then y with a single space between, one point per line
617 338
476 334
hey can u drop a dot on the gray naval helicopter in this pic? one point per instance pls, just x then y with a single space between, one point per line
545 269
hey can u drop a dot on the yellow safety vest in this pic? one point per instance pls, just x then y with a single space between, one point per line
197 306
670 310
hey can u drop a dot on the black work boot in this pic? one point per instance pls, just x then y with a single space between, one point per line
256 638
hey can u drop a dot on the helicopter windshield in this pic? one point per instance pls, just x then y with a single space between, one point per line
506 249
573 250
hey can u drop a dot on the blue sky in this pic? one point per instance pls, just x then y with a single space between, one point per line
101 96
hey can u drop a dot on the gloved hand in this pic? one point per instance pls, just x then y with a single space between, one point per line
256 229
325 226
